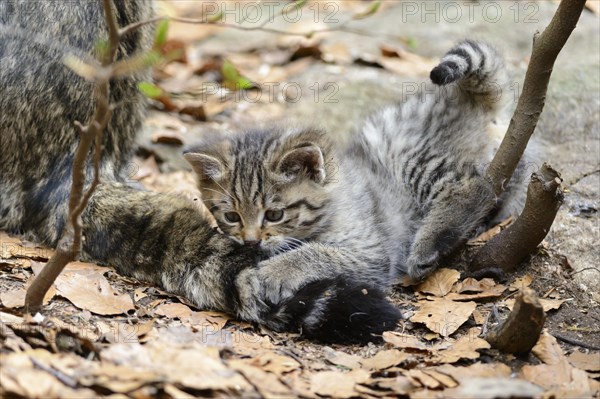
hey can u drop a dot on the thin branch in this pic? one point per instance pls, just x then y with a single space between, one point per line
261 28
546 47
508 249
113 33
575 342
69 245
544 195
136 25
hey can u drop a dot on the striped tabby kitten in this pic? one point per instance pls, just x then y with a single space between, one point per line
406 191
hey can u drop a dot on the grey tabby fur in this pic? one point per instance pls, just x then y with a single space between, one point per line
408 189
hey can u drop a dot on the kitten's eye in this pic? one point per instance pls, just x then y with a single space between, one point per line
274 215
232 217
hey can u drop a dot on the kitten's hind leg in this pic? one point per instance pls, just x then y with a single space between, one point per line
457 211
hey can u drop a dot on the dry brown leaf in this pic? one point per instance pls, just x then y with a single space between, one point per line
464 347
547 304
430 336
424 379
336 53
479 317
13 247
485 236
385 359
548 350
123 379
342 359
471 285
267 384
521 282
404 341
139 294
440 282
442 315
190 365
213 321
173 310
444 379
399 385
78 267
404 63
14 298
593 6
337 384
20 377
92 292
477 370
489 234
167 137
494 388
10 318
250 344
276 364
585 361
561 376
175 392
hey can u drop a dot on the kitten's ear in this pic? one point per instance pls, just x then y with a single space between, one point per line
206 167
306 160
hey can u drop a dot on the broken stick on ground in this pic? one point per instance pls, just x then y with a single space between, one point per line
521 329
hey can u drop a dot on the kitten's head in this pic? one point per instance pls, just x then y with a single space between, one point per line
268 188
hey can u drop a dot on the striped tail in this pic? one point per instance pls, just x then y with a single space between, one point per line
479 70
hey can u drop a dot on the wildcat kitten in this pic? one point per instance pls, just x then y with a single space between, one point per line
407 190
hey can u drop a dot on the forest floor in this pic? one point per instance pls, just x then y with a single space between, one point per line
102 334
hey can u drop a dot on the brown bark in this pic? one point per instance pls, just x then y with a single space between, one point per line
546 46
509 248
521 330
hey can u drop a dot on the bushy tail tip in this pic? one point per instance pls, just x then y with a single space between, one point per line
339 311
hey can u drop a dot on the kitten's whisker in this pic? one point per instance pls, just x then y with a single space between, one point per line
223 188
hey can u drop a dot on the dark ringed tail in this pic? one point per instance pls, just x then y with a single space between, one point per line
337 310
479 70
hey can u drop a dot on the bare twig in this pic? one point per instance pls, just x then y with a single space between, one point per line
575 342
262 27
521 329
509 248
69 245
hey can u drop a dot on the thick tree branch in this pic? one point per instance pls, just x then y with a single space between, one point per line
509 248
544 197
546 46
521 329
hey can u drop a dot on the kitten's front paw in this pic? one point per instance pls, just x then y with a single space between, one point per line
262 288
421 264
